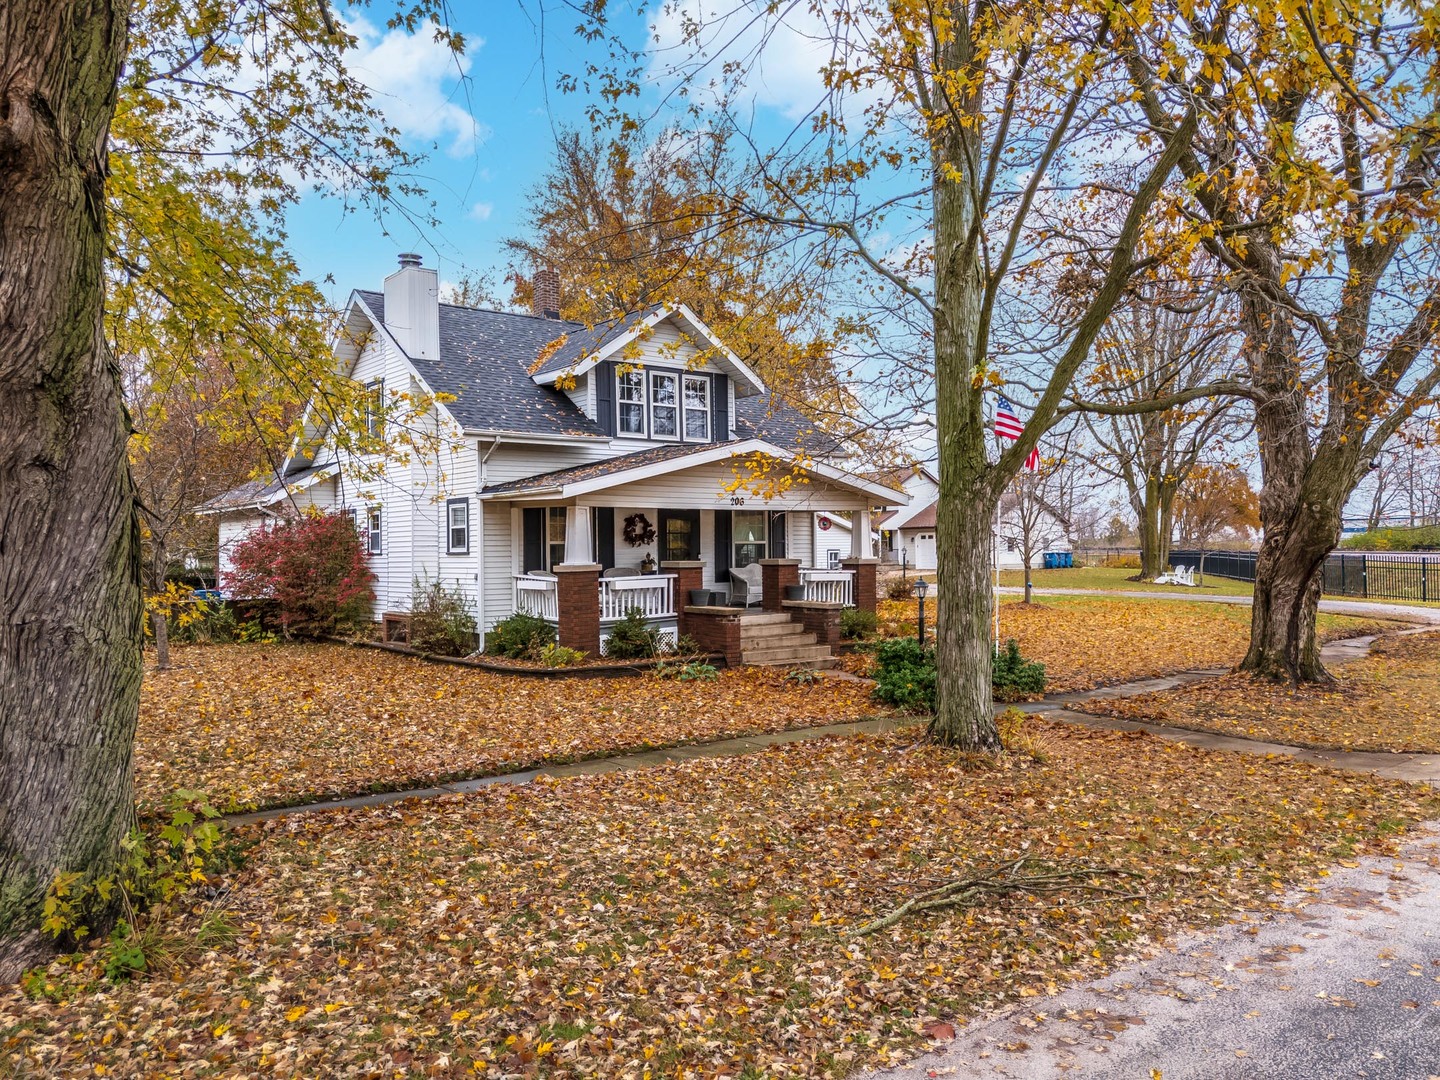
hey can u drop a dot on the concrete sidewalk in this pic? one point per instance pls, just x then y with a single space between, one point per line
1375 609
1344 985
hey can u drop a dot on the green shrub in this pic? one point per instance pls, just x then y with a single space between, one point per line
252 633
520 637
905 675
632 639
899 588
691 671
560 656
1423 538
857 622
802 676
1015 678
440 620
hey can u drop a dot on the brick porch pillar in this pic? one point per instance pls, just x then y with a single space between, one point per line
689 574
775 574
578 592
865 591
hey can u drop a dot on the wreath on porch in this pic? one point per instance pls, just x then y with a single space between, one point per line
639 531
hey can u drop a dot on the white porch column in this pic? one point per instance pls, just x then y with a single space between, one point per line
579 547
860 535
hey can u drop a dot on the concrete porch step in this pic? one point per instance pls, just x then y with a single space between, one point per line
799 637
819 663
769 618
771 631
786 655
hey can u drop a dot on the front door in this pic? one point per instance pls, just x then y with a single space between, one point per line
679 534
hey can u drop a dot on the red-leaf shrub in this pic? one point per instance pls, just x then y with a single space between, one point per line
313 567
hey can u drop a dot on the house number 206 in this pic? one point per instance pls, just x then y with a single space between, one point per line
737 500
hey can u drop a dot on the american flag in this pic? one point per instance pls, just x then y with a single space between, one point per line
1008 426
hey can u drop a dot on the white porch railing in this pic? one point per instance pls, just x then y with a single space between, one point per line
538 596
829 586
653 594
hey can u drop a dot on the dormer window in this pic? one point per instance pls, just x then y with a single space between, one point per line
697 408
632 402
664 405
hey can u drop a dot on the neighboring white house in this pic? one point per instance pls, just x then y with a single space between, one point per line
907 535
554 444
833 539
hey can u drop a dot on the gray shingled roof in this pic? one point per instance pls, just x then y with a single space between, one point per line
258 492
768 416
574 475
484 362
586 340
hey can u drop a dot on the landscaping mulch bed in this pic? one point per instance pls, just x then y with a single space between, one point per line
1386 701
695 919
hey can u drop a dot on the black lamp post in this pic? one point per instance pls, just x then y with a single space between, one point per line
921 588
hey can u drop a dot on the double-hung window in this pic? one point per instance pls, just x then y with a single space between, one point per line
697 408
749 536
374 536
457 527
375 408
631 402
664 405
555 536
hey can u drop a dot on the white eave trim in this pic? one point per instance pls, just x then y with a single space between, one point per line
324 472
739 368
720 452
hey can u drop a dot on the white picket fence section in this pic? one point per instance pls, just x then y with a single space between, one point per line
653 594
829 586
538 596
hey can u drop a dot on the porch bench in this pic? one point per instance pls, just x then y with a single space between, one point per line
395 626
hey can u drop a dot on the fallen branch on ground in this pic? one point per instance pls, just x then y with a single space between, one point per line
1001 880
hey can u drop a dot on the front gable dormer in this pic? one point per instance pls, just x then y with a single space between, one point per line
659 377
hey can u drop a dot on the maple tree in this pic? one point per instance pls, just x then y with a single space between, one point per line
1315 182
1215 500
1162 340
147 153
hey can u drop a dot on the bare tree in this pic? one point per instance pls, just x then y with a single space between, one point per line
1032 519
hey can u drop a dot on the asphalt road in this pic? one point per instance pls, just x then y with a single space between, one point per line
1348 986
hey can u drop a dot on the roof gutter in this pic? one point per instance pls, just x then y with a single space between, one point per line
523 493
522 437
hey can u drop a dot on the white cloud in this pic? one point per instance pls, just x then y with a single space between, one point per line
784 53
481 211
415 81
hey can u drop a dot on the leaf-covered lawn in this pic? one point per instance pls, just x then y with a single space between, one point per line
691 920
1389 700
261 725
1118 580
1086 642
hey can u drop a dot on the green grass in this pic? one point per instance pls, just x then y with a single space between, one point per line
1095 577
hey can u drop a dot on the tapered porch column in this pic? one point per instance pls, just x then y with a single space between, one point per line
578 585
860 546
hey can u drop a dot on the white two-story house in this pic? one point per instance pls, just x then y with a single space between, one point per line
637 464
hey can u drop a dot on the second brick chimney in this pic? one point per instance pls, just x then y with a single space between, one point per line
545 298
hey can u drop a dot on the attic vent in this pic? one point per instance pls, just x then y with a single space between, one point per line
545 300
408 259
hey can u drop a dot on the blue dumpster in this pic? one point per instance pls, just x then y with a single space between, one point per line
1067 559
1051 560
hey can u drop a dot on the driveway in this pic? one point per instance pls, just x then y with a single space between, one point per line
1346 984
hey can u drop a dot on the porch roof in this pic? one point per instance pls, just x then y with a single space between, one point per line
664 460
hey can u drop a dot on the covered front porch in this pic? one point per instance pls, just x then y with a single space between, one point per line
679 541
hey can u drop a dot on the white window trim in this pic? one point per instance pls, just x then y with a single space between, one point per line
551 517
651 374
707 387
375 419
643 402
375 531
763 543
451 505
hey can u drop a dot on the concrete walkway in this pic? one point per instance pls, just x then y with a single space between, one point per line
1374 609
1424 768
1343 985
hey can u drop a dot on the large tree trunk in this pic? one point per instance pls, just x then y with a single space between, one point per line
1157 505
69 547
964 709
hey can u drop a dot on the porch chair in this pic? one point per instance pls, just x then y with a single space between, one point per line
620 571
745 587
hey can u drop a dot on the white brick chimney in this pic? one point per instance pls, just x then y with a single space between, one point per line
412 308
